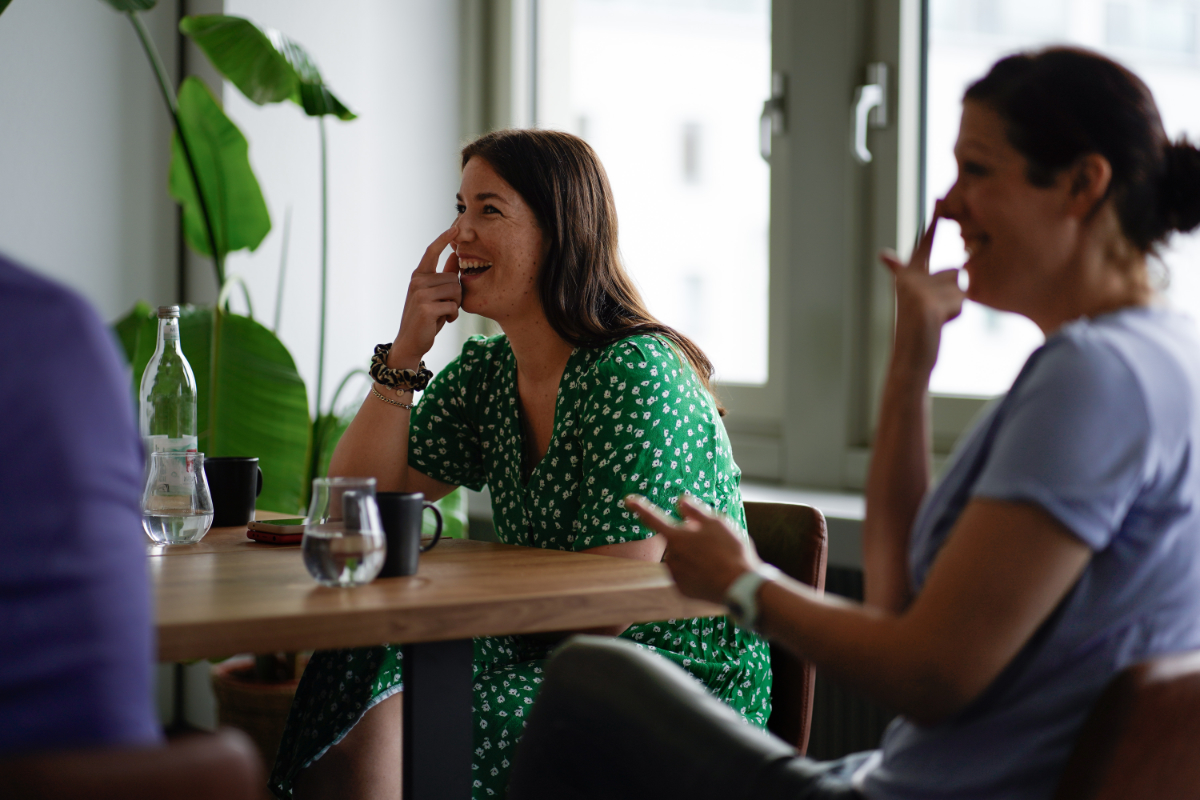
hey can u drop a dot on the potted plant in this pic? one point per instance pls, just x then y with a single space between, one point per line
250 398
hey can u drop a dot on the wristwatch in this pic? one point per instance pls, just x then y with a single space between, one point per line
742 595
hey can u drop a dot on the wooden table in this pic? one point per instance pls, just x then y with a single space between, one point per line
229 594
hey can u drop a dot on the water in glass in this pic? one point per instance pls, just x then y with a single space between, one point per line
337 558
166 528
343 542
176 505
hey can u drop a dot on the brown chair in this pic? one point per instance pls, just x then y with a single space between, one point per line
220 766
792 538
1142 735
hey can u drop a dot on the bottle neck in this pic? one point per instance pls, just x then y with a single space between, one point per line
168 334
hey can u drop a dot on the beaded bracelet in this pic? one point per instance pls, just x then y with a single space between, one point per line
414 379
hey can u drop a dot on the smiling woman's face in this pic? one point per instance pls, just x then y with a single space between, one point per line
1018 237
499 245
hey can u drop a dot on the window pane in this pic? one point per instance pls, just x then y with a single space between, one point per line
983 350
669 94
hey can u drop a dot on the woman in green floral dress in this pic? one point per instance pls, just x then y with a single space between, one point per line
582 401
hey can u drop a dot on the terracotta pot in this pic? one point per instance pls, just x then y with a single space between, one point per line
259 709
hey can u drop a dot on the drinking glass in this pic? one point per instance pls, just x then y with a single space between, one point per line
344 543
176 505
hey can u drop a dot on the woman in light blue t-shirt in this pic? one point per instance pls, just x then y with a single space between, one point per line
1061 545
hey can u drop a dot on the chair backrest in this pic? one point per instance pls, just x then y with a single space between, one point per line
792 538
1142 735
220 766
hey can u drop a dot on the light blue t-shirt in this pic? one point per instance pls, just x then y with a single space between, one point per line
1099 430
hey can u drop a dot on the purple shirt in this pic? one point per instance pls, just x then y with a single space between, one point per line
1098 430
76 636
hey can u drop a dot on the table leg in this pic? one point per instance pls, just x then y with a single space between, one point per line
438 729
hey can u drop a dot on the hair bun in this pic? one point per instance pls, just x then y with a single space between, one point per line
1181 186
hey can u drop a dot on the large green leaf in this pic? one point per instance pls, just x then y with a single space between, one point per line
454 516
315 97
265 65
4 5
222 157
243 53
128 329
327 432
132 5
260 407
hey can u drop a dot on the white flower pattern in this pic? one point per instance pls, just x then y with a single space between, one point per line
619 409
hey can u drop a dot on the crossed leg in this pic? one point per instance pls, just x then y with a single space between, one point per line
365 765
615 721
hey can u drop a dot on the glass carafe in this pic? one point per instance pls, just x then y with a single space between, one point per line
176 505
344 544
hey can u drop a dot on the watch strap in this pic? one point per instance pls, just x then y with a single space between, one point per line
742 595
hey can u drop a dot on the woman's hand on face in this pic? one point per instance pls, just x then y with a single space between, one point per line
705 555
924 303
433 300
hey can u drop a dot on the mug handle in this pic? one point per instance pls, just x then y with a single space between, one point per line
437 532
258 491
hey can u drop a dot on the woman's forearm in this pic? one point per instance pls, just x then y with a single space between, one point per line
651 549
860 646
900 468
1002 571
376 443
897 480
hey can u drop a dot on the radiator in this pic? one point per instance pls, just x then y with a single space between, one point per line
844 721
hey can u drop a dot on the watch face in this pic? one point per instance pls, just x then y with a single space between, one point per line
736 609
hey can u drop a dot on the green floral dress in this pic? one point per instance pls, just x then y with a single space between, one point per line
630 417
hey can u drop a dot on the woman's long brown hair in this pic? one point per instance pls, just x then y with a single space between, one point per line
586 294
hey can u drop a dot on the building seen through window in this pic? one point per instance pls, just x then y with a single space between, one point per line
669 94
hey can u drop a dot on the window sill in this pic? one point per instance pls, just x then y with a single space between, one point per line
843 515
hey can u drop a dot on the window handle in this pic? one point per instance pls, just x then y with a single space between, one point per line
773 121
870 109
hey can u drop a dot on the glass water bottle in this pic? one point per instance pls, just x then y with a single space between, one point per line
167 399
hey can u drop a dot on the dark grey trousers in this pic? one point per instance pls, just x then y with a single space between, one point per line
615 721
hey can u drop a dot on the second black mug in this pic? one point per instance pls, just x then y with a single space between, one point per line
235 482
401 515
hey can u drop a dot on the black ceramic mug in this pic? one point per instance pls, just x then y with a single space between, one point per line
401 515
234 482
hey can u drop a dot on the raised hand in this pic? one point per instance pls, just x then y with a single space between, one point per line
924 303
433 300
704 553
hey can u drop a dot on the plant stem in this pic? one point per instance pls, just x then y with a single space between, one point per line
283 254
236 282
214 360
324 260
164 85
318 429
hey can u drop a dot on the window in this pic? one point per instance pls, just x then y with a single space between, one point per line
669 93
806 419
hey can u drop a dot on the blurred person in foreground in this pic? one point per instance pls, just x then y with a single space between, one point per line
77 718
1061 545
75 613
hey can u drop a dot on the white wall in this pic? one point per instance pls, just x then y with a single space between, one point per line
84 149
393 171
